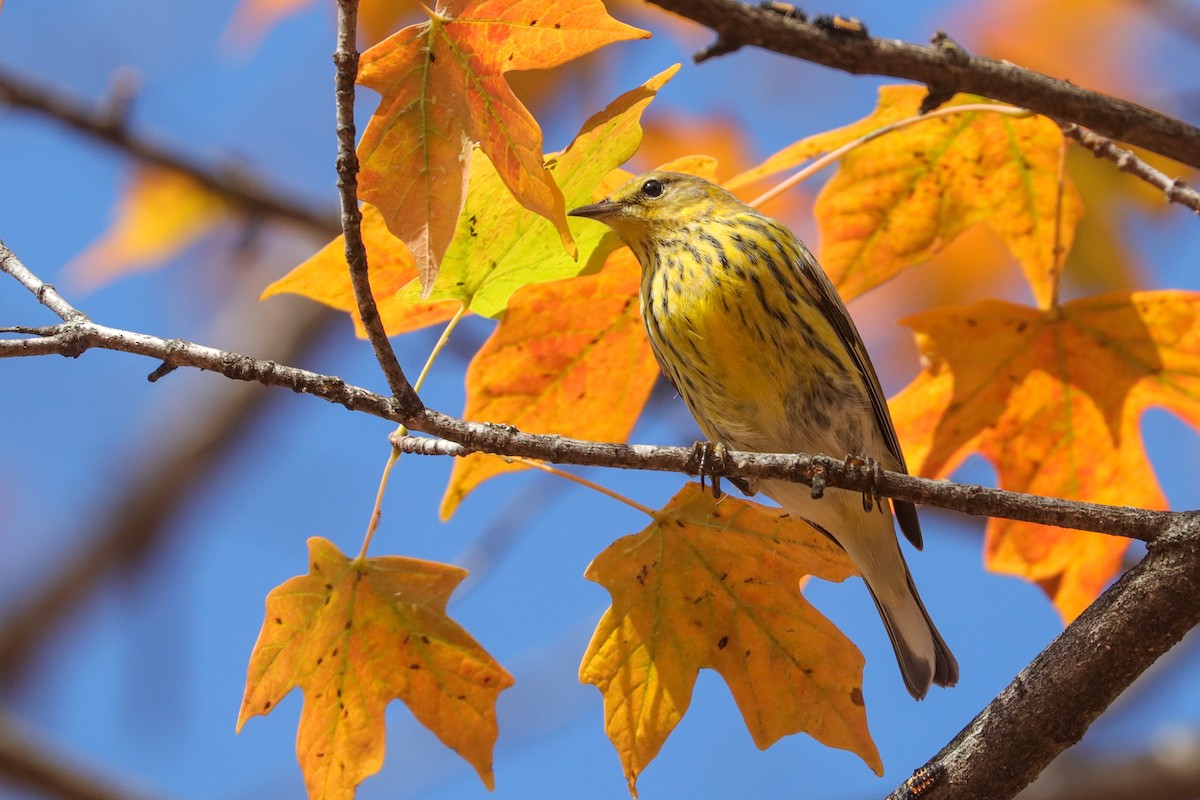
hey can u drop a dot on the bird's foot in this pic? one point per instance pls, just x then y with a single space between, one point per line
709 458
872 500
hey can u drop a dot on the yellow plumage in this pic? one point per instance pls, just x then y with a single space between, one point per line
749 330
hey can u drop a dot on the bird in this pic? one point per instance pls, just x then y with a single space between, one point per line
752 334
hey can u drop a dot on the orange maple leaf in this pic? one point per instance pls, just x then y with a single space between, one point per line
443 88
570 357
355 634
717 584
325 278
898 199
159 214
1055 405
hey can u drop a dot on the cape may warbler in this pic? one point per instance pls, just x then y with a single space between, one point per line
750 331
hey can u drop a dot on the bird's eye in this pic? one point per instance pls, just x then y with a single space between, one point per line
652 188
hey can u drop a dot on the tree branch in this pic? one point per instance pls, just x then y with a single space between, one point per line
235 186
944 67
28 766
345 60
1175 189
1050 704
76 337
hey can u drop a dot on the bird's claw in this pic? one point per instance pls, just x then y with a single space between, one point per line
872 500
709 458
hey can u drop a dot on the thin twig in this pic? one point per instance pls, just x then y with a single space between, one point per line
946 68
345 59
100 123
1175 189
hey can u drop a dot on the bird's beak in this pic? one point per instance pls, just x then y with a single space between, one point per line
598 211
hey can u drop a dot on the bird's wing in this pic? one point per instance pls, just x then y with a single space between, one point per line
835 311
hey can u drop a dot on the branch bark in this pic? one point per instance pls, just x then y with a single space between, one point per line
80 334
346 61
945 68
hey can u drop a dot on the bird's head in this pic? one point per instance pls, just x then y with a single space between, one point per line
656 204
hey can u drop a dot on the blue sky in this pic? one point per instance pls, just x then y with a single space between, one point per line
144 683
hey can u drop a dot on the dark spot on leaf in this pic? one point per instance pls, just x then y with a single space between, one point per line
316 567
335 652
856 696
487 678
746 654
279 620
557 25
425 639
1021 326
414 666
329 587
462 697
327 599
533 22
320 755
724 640
319 660
432 58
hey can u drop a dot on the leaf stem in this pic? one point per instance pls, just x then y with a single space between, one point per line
604 490
377 511
1058 254
832 156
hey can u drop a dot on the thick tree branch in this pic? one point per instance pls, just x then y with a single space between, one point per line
100 123
75 337
1050 704
346 61
945 67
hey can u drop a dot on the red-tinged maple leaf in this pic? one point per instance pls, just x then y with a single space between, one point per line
356 634
443 88
717 585
570 357
1053 398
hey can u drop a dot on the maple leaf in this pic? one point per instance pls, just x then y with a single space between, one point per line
443 87
325 278
159 214
355 634
898 199
1055 406
717 584
498 246
569 357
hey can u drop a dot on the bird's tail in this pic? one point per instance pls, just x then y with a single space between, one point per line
869 538
922 653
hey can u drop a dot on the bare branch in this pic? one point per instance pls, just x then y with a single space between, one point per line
346 61
1175 189
31 767
1050 704
78 336
235 186
945 68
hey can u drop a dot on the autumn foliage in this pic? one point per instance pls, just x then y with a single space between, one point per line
464 213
